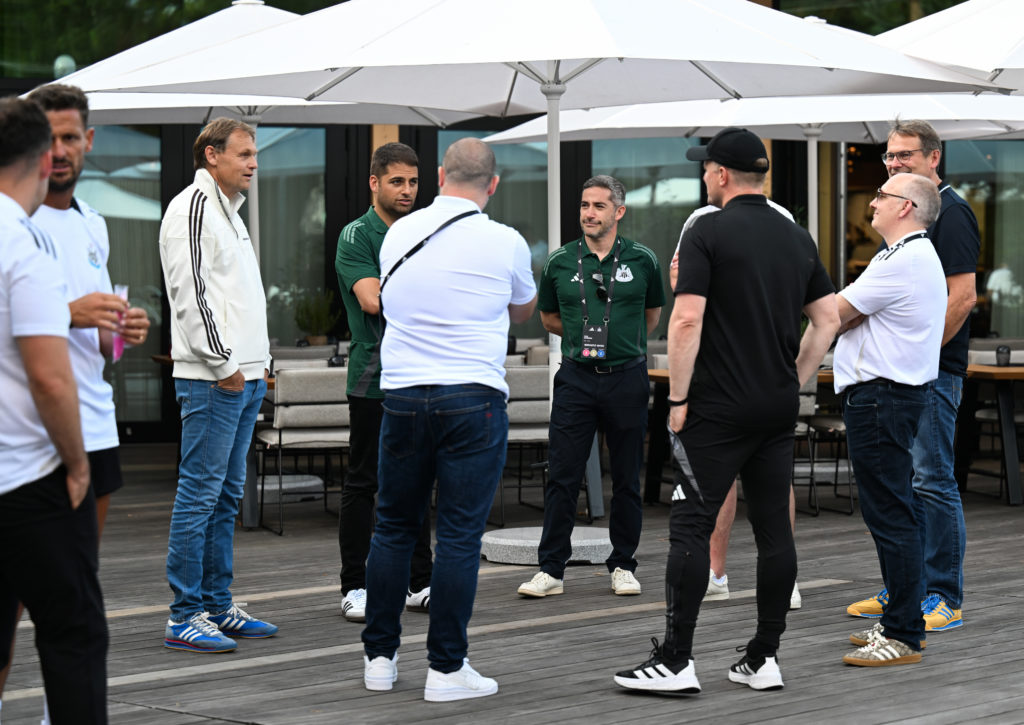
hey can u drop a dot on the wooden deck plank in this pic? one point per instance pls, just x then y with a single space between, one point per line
553 658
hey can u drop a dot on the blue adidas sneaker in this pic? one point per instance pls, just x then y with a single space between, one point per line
197 634
237 623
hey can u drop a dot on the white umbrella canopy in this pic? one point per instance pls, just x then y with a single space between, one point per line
987 35
491 58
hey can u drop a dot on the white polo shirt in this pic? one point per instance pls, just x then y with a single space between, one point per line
902 293
446 307
33 302
81 238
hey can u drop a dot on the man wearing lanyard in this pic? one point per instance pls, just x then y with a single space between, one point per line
603 295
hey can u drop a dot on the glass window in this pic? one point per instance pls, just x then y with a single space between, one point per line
662 189
121 180
292 218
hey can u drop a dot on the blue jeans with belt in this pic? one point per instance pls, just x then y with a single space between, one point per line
881 421
216 432
936 496
456 434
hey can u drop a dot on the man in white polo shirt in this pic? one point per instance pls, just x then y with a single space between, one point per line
893 318
452 281
48 540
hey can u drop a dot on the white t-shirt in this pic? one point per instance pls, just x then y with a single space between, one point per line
902 293
33 302
81 238
446 307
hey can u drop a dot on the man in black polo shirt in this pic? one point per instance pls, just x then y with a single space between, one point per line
603 294
736 362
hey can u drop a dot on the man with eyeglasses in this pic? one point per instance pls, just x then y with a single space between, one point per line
885 360
915 148
736 362
603 295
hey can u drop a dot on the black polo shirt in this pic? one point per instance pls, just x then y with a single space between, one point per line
757 271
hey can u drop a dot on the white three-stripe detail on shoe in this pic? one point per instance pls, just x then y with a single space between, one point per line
653 673
744 669
887 652
190 634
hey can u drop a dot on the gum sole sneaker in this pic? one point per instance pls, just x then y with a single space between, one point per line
656 675
716 592
880 651
238 623
861 638
463 684
624 583
763 675
939 616
380 673
197 634
542 585
871 607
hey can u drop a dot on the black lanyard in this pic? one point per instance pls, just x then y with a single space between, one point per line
611 282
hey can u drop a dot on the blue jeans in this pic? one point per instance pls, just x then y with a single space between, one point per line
456 434
936 496
216 432
881 422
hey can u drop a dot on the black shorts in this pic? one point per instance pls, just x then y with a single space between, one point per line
105 471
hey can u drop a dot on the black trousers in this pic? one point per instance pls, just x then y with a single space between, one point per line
764 460
358 496
49 562
585 401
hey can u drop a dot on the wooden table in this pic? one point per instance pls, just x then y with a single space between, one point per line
1004 378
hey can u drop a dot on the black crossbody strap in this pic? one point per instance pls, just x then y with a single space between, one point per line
419 246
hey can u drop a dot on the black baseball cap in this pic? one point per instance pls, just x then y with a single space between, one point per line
733 148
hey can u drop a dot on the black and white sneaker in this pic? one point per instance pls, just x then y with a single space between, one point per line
656 675
758 673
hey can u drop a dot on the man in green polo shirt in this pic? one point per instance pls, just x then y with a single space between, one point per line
603 294
394 179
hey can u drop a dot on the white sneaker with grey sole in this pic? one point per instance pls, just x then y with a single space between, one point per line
380 673
462 684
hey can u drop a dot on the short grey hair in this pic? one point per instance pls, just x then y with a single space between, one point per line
923 192
613 185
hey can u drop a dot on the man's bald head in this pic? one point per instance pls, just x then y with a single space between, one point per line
469 162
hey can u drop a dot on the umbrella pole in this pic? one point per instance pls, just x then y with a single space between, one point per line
813 134
553 92
254 197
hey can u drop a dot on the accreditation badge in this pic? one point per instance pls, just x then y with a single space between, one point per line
595 342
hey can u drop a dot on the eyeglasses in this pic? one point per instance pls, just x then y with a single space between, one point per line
882 194
602 293
904 156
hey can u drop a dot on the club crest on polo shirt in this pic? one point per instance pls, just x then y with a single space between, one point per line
623 274
94 256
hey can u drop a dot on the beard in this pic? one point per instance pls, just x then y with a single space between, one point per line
59 186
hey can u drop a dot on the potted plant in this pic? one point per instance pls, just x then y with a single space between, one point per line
314 316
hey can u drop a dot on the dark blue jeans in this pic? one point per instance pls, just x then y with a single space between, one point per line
936 496
881 422
585 401
458 435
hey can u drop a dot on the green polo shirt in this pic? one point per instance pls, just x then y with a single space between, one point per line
358 257
638 287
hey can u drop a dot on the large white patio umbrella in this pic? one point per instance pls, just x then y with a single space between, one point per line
817 118
493 58
978 34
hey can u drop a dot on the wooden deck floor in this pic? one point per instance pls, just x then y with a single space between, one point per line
553 658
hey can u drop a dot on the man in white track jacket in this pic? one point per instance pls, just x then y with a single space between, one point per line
221 359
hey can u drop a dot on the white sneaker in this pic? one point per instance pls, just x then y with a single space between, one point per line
353 605
716 592
542 585
459 685
654 675
765 676
380 673
795 600
418 601
624 583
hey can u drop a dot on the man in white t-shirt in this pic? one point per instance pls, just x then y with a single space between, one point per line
893 318
48 538
718 580
452 281
97 314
